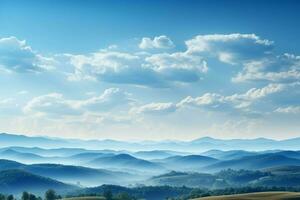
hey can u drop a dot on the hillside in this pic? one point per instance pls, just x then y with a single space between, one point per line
71 174
178 179
257 196
85 198
17 181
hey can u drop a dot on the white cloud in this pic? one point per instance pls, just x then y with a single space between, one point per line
289 110
213 101
159 42
111 98
52 104
155 108
231 48
206 99
276 69
256 56
178 66
158 70
17 56
56 104
238 101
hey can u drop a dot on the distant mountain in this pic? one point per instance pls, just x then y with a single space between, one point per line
124 161
21 157
25 141
198 145
228 155
190 162
17 181
83 158
56 152
254 162
155 154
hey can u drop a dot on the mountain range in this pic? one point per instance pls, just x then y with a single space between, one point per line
69 165
198 145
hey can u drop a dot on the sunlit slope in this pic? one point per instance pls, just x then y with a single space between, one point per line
257 196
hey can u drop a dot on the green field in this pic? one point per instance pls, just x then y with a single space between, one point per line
257 196
85 198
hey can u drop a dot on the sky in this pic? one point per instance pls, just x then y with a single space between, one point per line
150 70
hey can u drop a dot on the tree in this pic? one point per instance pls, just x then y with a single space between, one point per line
32 197
108 195
25 196
124 196
50 195
2 197
10 197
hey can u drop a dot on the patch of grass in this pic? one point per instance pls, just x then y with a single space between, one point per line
85 198
257 196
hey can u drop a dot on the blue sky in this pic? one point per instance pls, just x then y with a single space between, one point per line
150 69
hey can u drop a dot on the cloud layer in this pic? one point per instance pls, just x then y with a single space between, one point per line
204 83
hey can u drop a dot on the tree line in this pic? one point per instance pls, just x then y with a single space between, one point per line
49 195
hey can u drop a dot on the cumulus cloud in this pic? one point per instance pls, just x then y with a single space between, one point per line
158 70
159 42
110 98
256 56
206 99
55 104
17 56
283 68
231 48
178 66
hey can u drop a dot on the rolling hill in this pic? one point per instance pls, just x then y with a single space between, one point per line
253 162
228 155
22 157
190 162
125 161
72 174
9 164
17 181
